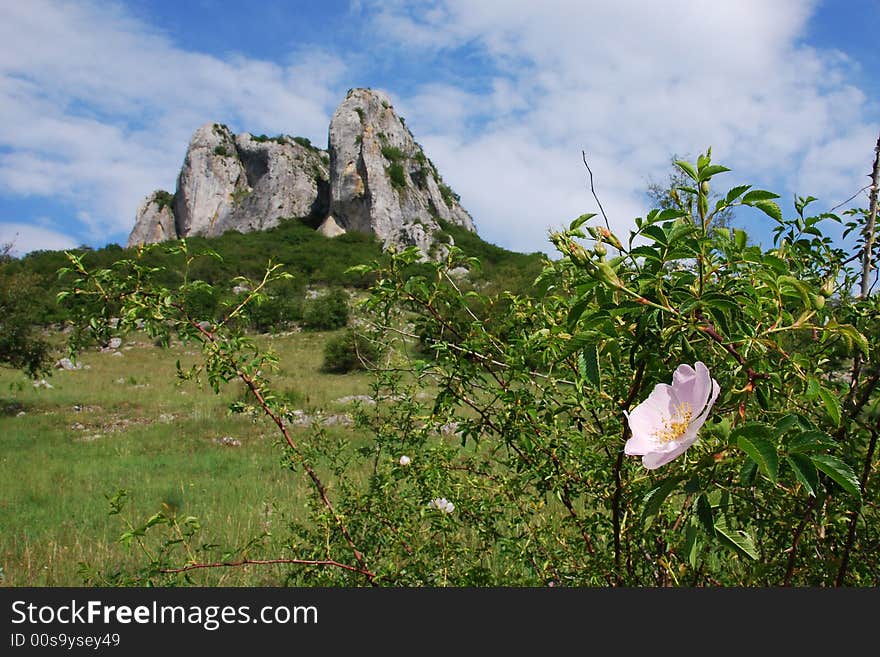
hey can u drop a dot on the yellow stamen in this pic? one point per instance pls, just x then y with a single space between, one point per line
674 427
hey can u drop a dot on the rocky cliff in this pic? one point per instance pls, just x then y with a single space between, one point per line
374 179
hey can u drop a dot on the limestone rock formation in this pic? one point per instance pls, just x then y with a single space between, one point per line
375 179
154 221
381 180
285 178
211 182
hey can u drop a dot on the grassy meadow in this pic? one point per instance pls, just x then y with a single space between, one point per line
124 422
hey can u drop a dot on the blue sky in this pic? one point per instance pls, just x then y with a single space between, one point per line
98 100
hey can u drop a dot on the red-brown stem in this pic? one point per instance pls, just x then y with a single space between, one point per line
792 555
854 515
618 465
319 485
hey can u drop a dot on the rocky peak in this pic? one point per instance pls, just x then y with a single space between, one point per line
211 178
375 179
382 181
154 221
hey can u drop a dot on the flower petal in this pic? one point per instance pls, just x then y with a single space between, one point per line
692 385
699 420
654 460
662 399
639 444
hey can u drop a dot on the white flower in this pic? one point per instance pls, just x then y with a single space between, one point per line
405 460
666 423
442 504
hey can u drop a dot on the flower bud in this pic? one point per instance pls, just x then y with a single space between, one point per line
578 254
828 287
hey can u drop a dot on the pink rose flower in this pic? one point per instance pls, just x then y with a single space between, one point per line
666 423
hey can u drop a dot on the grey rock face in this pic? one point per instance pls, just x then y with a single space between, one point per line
211 181
154 221
381 180
284 179
247 183
375 179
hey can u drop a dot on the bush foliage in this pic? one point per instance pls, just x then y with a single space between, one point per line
497 456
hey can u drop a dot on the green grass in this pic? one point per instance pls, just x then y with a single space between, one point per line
125 424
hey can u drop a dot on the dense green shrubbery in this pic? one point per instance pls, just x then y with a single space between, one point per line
510 457
350 351
327 312
312 258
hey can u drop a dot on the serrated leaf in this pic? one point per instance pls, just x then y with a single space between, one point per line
669 214
761 451
714 169
832 405
577 310
646 252
734 193
852 334
839 471
588 364
657 234
759 195
804 471
655 497
809 441
769 208
721 301
735 539
688 169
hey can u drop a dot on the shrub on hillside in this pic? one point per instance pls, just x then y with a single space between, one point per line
349 352
327 312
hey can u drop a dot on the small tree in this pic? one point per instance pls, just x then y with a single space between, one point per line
20 348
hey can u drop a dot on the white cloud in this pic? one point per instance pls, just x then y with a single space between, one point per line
96 108
632 83
503 94
27 237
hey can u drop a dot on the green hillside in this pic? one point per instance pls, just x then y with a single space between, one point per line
311 258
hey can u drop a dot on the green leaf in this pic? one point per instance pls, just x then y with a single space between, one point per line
752 439
748 472
741 238
588 363
832 405
809 441
852 334
720 301
804 471
657 234
839 472
704 514
692 545
759 195
577 223
711 170
734 193
646 252
688 169
669 214
735 539
655 497
770 209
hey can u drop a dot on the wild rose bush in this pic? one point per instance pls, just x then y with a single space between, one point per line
678 407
